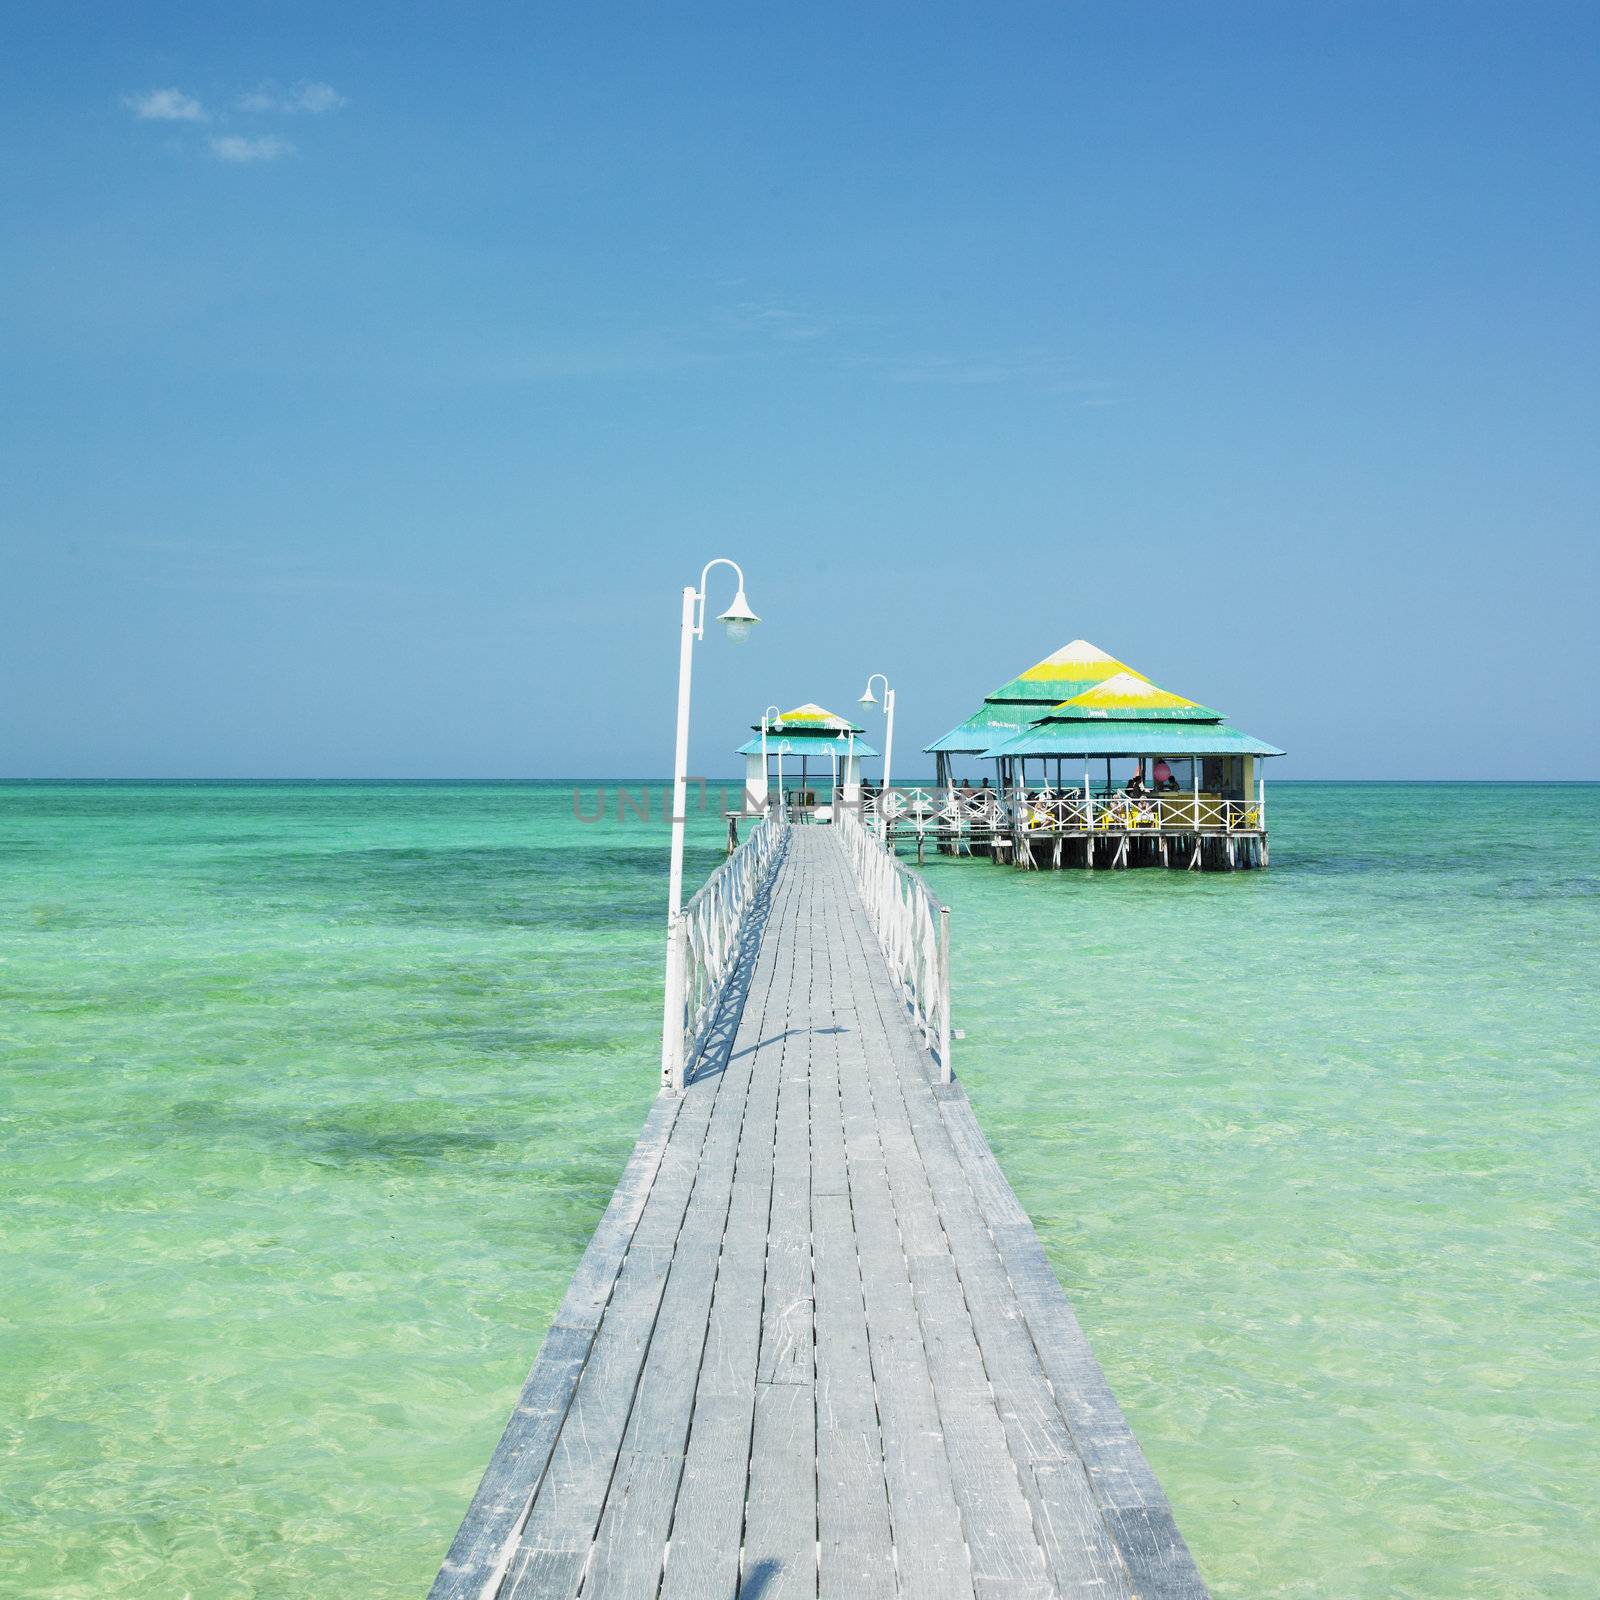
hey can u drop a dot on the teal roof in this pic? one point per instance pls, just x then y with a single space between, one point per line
1069 671
1132 737
804 742
985 728
1081 701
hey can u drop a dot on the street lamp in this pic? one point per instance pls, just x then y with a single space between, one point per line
886 798
777 716
784 748
847 737
870 699
738 620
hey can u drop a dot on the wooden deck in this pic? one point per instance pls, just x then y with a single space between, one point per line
815 1348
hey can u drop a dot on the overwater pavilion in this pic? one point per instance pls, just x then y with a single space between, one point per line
803 750
1066 738
1164 781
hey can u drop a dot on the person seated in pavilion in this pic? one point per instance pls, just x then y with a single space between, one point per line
1164 781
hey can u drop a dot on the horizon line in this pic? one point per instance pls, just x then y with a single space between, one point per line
917 783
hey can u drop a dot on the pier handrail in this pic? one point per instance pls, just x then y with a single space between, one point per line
710 927
913 930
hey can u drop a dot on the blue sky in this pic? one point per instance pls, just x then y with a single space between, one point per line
375 376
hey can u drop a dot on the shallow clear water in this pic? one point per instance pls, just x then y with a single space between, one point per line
313 1093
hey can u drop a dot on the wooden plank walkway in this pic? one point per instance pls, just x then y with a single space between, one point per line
814 1347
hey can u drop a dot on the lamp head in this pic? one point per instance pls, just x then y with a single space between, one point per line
738 619
869 698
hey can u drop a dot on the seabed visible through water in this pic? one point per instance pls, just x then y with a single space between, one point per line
313 1095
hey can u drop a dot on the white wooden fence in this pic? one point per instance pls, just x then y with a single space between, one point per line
1069 811
710 927
982 813
960 811
913 930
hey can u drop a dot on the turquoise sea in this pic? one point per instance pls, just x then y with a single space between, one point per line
311 1094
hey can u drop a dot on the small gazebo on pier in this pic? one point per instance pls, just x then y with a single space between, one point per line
798 758
1115 772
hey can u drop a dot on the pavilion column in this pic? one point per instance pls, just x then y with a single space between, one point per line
851 781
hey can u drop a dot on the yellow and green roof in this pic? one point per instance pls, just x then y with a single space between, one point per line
1013 706
1127 715
1132 698
1062 674
810 729
810 718
1082 701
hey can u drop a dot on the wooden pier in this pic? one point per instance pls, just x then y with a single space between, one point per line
814 1347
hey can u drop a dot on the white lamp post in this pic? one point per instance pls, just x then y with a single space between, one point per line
738 619
777 722
869 699
784 748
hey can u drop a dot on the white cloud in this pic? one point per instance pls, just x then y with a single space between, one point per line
165 105
236 147
312 98
317 98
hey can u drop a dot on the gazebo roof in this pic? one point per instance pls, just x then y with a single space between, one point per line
1064 673
1128 736
808 718
1127 715
811 730
1131 698
983 729
807 742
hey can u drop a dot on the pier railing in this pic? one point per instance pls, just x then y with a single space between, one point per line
913 931
711 928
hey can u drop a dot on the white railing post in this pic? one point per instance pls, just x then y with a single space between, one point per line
945 1073
677 997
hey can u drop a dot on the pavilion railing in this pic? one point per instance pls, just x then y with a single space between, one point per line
1071 811
712 927
949 810
988 812
912 928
